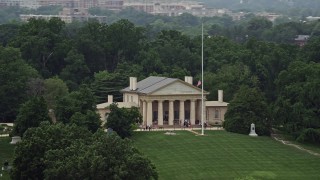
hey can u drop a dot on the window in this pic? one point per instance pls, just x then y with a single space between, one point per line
127 98
216 114
131 98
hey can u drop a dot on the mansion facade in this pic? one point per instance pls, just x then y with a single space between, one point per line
168 101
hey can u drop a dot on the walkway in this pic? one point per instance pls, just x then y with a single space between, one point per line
277 138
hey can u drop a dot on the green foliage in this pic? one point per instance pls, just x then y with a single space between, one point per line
31 114
7 33
70 152
90 120
248 106
106 83
297 106
122 120
55 88
75 71
39 42
14 73
29 157
230 78
78 107
309 135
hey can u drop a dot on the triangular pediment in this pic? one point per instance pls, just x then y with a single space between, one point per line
177 88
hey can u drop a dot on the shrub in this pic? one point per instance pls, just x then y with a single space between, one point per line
309 135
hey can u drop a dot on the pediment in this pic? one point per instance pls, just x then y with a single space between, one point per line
177 88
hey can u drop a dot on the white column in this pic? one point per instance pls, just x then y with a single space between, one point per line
171 110
181 113
144 112
193 111
160 113
149 113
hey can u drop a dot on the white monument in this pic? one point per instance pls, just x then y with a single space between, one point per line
15 139
253 130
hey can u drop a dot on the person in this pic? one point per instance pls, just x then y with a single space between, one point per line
205 125
149 127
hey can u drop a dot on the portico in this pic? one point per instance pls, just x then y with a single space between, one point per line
169 110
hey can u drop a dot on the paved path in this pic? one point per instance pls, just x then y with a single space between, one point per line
277 138
181 129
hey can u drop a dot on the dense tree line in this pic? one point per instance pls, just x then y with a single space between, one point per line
69 152
91 60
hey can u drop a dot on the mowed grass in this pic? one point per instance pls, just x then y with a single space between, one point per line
223 155
6 153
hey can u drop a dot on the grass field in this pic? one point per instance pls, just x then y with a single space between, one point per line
6 153
223 155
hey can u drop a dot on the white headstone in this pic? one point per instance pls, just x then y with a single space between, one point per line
15 139
253 130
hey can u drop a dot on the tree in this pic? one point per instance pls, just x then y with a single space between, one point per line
69 152
55 89
90 120
106 83
124 42
29 161
98 160
7 33
31 114
297 106
78 107
14 73
75 71
230 78
123 120
248 106
39 42
35 87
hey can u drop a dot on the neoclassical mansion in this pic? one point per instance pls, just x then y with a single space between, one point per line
168 101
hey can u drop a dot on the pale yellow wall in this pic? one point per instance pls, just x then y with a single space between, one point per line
130 97
211 114
102 113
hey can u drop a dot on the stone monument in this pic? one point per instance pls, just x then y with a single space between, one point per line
15 139
253 130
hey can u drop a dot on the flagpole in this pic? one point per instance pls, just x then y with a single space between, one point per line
202 105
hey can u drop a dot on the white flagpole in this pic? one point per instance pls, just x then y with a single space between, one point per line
202 105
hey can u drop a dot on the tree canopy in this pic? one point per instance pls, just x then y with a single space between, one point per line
122 120
69 152
248 106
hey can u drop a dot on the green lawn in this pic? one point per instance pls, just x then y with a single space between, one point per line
6 153
223 155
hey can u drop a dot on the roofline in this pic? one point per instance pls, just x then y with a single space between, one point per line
175 80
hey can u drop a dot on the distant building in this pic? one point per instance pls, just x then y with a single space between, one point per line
68 15
312 18
34 4
167 8
168 101
270 16
301 40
